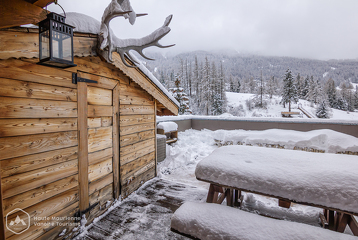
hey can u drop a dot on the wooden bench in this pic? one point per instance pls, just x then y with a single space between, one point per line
213 221
326 181
288 114
172 136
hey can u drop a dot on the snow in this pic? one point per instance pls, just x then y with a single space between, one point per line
154 80
83 23
325 140
193 146
161 136
168 126
213 221
318 178
237 106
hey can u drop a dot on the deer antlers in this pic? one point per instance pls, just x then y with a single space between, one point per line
109 44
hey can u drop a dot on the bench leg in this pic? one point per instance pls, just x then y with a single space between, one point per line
213 193
330 219
353 224
342 221
229 197
284 203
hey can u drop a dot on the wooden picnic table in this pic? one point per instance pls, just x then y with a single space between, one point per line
327 181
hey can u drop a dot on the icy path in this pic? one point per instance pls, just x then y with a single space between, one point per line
146 213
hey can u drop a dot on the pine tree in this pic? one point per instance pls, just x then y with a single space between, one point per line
331 92
323 110
299 85
356 98
289 93
238 88
180 96
305 88
271 88
341 103
232 87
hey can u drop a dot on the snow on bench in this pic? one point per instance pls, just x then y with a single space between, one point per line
322 180
213 221
170 129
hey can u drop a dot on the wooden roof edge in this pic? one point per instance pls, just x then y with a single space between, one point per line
36 30
150 87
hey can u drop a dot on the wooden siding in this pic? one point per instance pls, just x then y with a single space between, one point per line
38 144
85 45
64 147
137 137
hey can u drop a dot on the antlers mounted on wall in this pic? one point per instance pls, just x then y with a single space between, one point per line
108 43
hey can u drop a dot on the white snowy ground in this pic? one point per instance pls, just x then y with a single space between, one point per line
192 146
274 108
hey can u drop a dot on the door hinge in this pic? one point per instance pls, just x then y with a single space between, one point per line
76 79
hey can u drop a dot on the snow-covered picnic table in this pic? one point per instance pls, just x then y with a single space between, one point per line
324 180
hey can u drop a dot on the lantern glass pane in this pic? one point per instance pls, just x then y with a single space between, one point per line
45 45
61 46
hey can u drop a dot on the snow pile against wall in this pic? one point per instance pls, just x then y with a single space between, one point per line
326 140
168 126
213 221
320 179
228 117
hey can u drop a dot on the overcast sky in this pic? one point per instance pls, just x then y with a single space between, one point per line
318 29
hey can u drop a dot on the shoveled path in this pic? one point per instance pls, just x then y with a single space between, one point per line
146 214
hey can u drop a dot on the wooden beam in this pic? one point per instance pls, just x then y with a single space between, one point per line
155 140
353 224
284 203
43 3
83 145
2 223
116 184
19 12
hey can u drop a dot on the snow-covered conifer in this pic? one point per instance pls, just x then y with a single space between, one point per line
289 93
323 110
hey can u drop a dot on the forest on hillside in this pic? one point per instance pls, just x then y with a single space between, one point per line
200 79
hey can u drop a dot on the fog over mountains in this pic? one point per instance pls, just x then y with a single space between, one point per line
245 66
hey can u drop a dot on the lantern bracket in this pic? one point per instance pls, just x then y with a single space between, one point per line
76 79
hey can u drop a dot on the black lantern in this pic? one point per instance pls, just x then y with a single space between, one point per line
56 42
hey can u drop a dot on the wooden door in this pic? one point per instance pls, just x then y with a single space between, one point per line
98 112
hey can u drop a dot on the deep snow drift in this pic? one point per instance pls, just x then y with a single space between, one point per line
212 221
193 146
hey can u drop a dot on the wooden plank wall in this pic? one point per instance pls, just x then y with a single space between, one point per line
137 137
100 145
38 146
39 141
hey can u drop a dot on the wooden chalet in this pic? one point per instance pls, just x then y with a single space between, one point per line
67 150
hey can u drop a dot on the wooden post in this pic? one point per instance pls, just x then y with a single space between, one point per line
155 139
330 219
284 203
353 224
2 222
342 221
82 145
229 197
116 185
211 192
